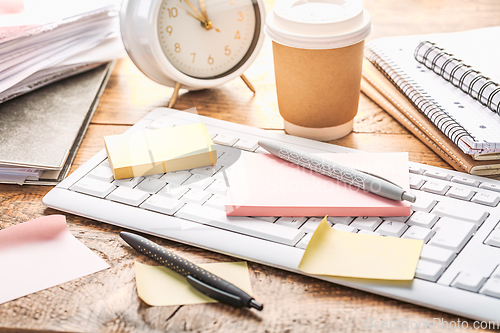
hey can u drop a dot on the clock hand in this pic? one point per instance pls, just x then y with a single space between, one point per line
204 9
208 22
196 11
205 22
201 19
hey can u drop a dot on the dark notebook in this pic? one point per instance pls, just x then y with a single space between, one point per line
44 128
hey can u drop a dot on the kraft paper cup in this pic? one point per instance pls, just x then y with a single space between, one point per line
318 55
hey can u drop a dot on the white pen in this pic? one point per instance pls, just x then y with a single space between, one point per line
362 180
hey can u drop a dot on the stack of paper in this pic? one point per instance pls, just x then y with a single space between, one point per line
42 42
54 39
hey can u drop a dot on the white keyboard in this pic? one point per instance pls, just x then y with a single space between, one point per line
456 214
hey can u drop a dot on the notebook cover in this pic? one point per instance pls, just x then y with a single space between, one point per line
44 128
264 185
377 87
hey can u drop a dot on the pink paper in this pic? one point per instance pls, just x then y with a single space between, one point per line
42 253
264 185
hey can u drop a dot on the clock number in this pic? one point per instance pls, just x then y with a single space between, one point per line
210 60
172 12
177 47
169 30
227 50
237 36
240 16
194 55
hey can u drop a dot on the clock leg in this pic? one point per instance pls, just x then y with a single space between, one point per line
248 83
173 99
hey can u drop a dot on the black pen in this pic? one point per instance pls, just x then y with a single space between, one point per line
202 280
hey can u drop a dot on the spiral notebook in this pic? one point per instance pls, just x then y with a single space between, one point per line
455 86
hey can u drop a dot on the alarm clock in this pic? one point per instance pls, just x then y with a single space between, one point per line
193 44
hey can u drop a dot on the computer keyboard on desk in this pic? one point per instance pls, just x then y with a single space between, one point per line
456 214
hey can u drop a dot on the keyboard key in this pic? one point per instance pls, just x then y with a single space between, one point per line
294 222
494 238
488 199
461 193
128 182
427 270
396 218
162 204
422 219
196 196
304 241
218 187
415 232
368 232
340 219
490 186
223 139
103 173
369 223
176 177
173 191
468 281
496 273
438 174
491 288
416 169
95 187
247 144
207 171
465 181
151 185
423 203
392 228
198 181
435 186
437 255
128 195
311 225
155 176
270 219
471 213
452 234
416 182
245 225
343 227
216 201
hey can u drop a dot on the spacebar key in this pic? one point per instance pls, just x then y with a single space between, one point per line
245 225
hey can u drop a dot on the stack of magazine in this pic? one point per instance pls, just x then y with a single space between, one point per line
42 42
445 89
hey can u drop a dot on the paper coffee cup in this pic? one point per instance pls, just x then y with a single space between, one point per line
318 55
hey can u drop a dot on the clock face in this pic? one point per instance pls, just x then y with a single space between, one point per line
212 40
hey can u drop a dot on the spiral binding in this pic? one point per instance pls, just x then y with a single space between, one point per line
417 96
487 92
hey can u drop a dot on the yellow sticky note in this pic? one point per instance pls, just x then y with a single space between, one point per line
160 286
162 150
340 253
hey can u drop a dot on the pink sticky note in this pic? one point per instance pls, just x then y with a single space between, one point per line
42 253
264 185
11 7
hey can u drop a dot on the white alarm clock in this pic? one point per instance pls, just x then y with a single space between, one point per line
193 44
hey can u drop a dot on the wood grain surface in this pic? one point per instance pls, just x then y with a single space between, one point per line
107 301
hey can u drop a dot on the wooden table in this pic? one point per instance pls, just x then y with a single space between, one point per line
107 301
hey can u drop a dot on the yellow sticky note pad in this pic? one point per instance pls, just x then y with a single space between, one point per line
162 150
160 286
339 253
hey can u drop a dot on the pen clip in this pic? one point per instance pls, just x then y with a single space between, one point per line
215 293
385 179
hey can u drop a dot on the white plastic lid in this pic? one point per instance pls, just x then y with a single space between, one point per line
318 24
